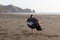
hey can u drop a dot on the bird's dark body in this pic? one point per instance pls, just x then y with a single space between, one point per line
35 24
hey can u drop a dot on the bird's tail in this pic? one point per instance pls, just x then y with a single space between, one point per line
38 28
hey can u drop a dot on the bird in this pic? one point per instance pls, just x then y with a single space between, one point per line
33 23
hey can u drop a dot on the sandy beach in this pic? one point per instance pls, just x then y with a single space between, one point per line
14 27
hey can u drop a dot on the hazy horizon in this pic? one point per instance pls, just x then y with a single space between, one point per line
41 6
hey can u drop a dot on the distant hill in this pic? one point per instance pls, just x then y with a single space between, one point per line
14 9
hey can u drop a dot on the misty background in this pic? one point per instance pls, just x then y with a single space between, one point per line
41 6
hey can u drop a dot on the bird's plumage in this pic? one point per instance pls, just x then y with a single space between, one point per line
34 24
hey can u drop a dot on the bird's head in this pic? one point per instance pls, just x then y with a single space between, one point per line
31 16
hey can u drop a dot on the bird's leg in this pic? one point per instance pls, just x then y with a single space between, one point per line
32 32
